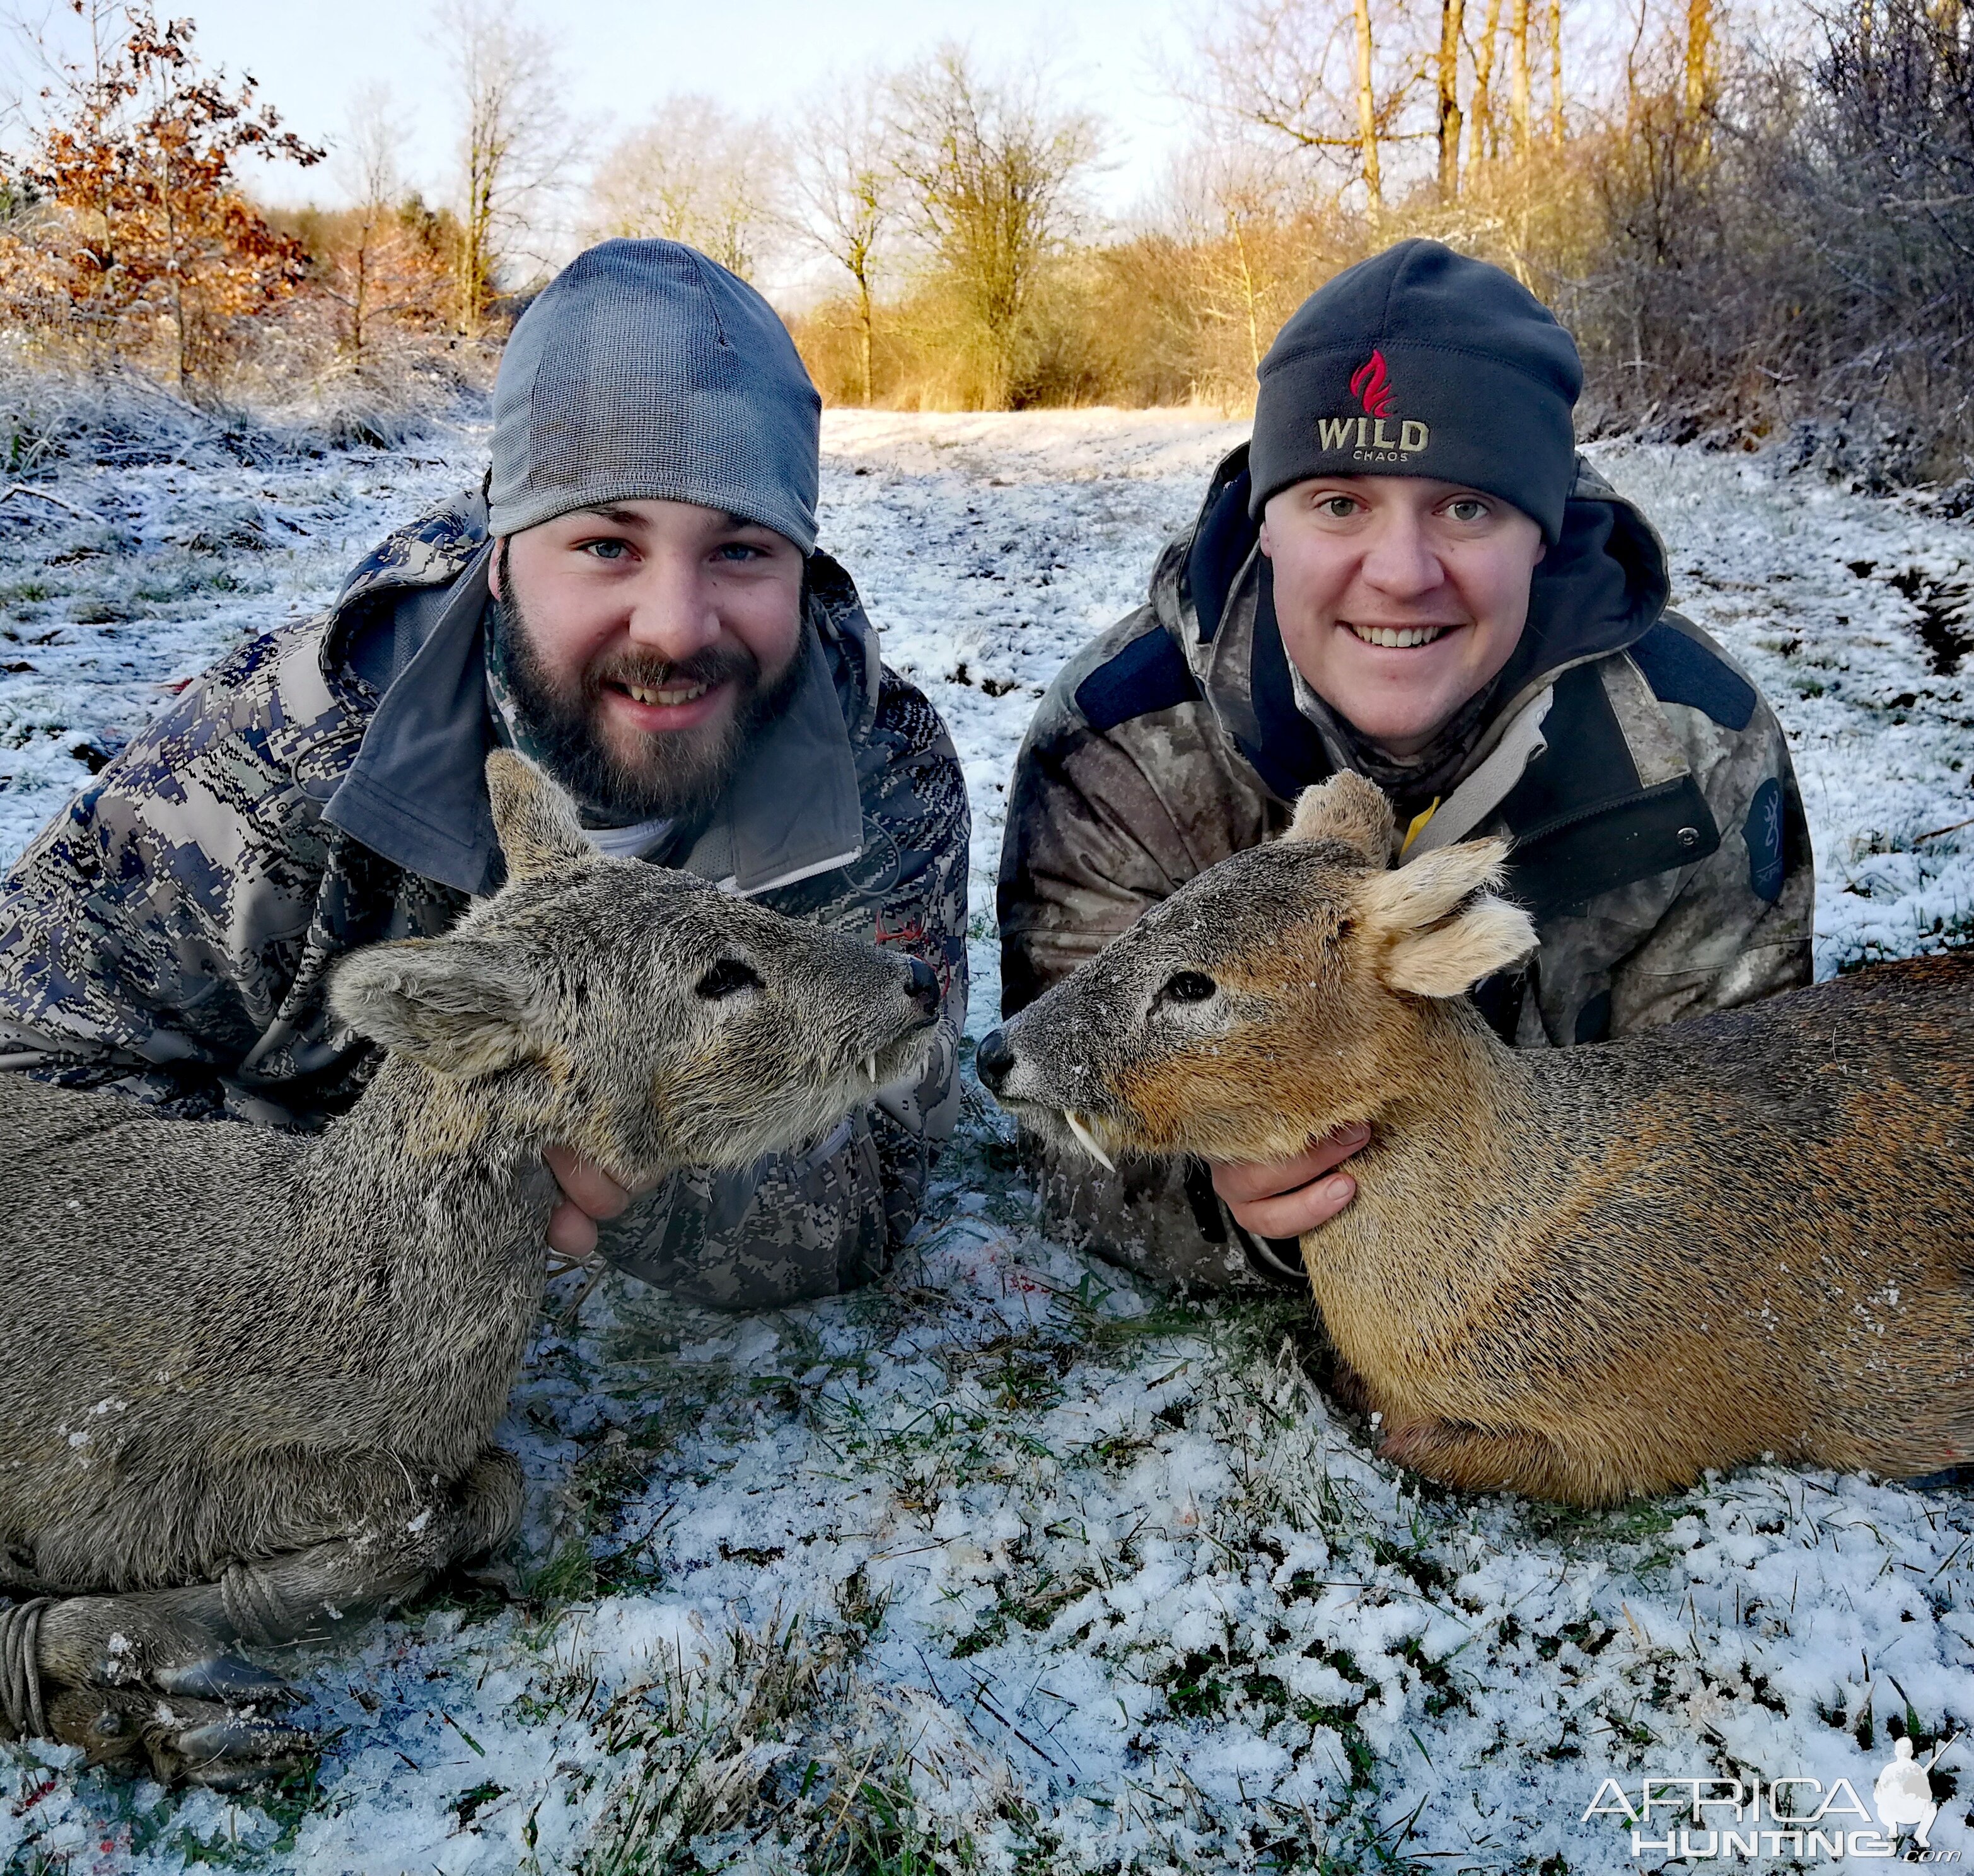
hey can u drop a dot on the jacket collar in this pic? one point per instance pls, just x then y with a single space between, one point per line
416 793
431 551
793 808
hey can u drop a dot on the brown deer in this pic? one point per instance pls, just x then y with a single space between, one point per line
1574 1274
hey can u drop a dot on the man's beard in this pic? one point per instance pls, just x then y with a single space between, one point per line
674 775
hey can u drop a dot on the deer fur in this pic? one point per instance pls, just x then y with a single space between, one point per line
1575 1273
249 1380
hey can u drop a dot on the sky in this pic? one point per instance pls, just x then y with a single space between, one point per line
620 58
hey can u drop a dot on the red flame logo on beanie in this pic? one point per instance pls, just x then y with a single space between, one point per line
1371 385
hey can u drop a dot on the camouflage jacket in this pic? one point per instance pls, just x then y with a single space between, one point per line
170 934
1659 840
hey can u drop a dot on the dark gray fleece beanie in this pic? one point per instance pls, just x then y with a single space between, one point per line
1420 362
645 371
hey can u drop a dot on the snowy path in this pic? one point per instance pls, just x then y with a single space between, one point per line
1007 1556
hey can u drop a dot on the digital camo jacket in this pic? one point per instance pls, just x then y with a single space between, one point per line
170 934
1658 839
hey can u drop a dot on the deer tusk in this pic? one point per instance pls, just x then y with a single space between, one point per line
870 1065
1087 1135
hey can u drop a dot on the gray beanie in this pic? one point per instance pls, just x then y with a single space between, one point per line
645 371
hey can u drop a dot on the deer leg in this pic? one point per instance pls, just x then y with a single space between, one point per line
309 1594
89 1670
1471 1458
172 1641
142 1681
175 1641
1349 1389
146 1682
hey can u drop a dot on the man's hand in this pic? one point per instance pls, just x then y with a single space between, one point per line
588 1194
1285 1197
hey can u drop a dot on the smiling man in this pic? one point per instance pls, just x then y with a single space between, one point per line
1411 573
635 598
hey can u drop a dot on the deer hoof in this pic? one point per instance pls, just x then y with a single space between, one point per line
226 1749
178 1739
223 1678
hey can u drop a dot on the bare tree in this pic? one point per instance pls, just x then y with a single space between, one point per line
369 162
696 173
1232 210
516 144
989 168
1367 108
1518 76
1699 57
846 186
1325 83
1556 101
1484 142
1452 29
366 166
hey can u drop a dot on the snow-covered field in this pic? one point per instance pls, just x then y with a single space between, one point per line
1008 1563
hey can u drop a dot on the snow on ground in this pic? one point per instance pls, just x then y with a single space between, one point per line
1009 1560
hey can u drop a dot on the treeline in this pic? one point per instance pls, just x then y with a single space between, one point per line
1752 242
1752 239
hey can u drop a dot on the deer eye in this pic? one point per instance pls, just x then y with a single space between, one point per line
1188 987
726 978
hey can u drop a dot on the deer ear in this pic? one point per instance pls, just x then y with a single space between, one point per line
461 1006
1437 927
535 820
1350 810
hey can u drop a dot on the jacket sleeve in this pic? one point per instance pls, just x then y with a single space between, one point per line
920 797
1732 929
824 1219
150 935
1108 816
1740 928
1105 819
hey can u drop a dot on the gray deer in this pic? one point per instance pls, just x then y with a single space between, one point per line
249 1381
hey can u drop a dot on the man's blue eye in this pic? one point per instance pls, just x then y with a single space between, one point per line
738 550
606 549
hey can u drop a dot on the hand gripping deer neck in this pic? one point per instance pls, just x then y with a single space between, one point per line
1577 1274
249 1381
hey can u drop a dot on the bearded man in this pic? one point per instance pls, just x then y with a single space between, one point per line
634 598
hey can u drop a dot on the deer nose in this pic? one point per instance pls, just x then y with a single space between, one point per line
992 1060
921 985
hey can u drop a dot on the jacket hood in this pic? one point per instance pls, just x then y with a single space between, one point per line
1600 588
